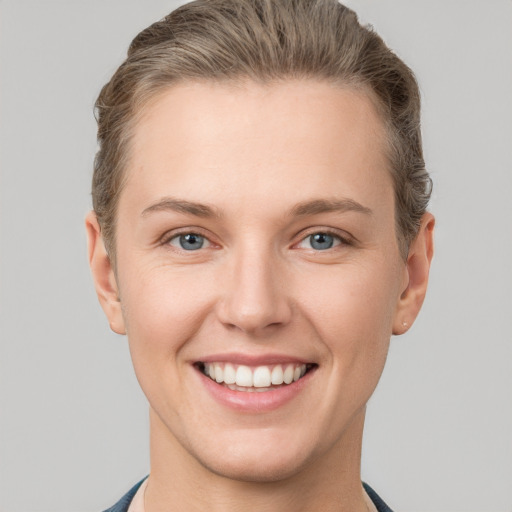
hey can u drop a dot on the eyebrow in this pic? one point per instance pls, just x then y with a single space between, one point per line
318 206
313 207
182 206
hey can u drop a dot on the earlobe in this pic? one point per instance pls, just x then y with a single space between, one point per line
416 276
103 275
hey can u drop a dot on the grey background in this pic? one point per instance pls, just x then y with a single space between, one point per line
73 421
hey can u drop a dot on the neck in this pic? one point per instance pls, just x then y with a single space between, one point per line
330 483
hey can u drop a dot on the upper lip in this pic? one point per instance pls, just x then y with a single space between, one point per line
253 360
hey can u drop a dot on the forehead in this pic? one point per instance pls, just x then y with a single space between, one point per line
232 140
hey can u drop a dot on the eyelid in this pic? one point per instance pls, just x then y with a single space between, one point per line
173 233
175 241
344 237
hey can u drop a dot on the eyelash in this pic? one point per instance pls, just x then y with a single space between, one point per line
343 240
168 237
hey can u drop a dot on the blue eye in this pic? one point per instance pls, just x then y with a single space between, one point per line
320 241
189 241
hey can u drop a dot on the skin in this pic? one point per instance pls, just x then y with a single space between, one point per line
252 153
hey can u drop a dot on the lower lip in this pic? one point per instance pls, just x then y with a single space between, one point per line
255 401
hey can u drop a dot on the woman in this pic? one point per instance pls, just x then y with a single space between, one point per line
259 232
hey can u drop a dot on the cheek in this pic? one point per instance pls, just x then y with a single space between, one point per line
352 309
163 308
352 298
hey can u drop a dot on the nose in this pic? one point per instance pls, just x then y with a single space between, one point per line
254 296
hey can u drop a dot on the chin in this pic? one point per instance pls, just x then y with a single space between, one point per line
264 454
256 469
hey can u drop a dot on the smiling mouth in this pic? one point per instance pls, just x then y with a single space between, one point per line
255 379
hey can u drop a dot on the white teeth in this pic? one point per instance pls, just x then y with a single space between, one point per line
261 377
244 376
229 374
277 375
288 374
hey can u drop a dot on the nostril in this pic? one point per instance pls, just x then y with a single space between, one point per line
258 320
251 299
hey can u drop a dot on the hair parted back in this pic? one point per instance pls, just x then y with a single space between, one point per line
264 41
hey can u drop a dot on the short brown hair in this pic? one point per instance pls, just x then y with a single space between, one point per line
264 41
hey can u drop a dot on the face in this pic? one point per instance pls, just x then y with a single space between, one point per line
258 272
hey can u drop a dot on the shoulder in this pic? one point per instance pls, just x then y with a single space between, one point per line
123 504
377 500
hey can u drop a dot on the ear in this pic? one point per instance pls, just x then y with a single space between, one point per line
415 276
103 275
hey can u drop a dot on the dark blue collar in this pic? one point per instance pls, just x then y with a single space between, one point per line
123 504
